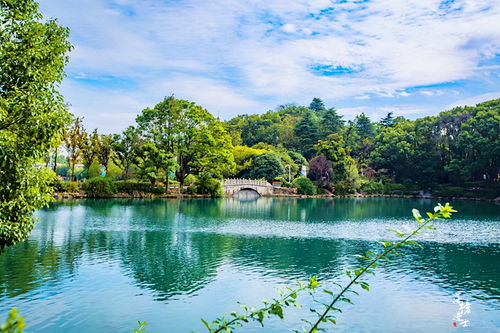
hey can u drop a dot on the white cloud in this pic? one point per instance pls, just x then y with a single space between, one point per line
288 28
247 56
472 101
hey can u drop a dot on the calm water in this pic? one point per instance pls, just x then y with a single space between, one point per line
100 265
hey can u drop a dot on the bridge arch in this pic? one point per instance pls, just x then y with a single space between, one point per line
233 186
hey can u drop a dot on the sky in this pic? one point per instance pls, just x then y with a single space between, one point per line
411 57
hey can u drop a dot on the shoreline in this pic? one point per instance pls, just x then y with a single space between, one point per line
81 195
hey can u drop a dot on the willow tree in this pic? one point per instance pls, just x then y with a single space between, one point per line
33 54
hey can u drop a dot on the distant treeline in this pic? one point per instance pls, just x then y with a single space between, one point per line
179 141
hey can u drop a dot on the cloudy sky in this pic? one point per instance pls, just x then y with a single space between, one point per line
412 57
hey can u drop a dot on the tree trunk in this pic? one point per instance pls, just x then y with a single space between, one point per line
55 159
73 171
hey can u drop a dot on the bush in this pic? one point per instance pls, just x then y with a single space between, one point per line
99 187
449 191
61 186
394 187
284 182
372 187
131 187
210 186
189 190
304 186
343 188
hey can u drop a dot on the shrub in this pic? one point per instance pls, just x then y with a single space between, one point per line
131 187
62 186
210 186
343 188
99 187
449 191
394 187
190 190
284 182
372 187
304 186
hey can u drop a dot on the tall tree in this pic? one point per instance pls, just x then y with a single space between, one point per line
125 147
90 150
317 105
330 122
364 126
307 131
105 150
186 132
32 112
75 139
388 120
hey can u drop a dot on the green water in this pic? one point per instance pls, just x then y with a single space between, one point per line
100 265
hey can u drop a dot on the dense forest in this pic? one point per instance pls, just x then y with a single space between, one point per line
179 142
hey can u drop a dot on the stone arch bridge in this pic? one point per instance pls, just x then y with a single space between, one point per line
234 186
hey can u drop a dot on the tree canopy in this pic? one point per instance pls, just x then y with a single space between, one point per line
33 114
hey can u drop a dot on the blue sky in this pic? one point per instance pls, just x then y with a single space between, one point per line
411 57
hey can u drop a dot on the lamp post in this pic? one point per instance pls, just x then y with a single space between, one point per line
289 172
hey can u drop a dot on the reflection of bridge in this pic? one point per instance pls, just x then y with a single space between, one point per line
234 186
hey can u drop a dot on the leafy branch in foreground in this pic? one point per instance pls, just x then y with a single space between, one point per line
288 296
14 323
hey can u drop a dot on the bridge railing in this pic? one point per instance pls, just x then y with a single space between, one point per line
239 182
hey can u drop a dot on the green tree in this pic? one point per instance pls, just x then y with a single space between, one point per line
125 148
307 131
243 157
475 154
388 120
365 127
330 122
32 112
267 166
94 169
90 150
317 105
75 139
160 127
154 163
213 151
105 150
261 129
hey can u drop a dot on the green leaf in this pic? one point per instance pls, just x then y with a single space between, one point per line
399 233
206 324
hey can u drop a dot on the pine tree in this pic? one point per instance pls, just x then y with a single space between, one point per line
317 105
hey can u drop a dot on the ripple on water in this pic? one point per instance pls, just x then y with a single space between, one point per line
462 231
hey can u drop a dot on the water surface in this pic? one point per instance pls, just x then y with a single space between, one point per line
100 265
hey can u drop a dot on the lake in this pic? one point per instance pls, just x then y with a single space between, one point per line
101 265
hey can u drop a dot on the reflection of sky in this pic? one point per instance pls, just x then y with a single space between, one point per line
108 272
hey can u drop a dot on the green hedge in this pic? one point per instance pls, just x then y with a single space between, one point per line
99 187
131 187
